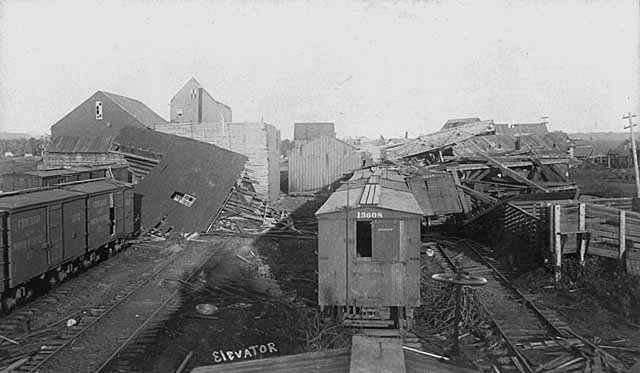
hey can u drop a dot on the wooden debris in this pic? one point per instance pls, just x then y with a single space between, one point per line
244 212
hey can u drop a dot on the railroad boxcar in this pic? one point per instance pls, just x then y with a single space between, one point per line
57 176
369 250
109 211
47 234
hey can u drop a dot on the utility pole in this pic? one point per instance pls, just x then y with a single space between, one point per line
633 149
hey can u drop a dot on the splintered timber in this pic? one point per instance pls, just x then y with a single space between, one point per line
247 353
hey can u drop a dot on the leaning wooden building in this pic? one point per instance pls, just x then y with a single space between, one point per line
368 250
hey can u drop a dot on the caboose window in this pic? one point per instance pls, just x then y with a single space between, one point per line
363 238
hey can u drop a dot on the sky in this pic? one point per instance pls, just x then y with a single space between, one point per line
371 67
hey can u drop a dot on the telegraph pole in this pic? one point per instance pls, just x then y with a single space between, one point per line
629 117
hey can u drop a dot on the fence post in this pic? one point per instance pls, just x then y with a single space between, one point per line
582 227
557 244
623 229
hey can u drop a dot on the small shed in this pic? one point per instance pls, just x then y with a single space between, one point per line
318 163
368 250
438 196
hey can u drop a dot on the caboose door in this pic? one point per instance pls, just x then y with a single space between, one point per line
386 253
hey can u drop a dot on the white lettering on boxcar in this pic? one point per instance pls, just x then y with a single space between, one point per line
28 221
369 215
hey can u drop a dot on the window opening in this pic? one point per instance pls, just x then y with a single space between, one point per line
98 110
183 198
363 239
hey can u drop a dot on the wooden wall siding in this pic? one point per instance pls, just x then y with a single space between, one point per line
54 160
613 232
319 163
257 141
394 281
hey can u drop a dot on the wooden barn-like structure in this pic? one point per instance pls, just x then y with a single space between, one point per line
368 250
318 163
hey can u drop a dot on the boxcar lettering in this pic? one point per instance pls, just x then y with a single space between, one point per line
385 229
28 221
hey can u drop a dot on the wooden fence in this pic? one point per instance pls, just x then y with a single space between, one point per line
605 227
589 228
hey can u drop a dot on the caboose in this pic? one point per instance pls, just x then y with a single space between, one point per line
369 250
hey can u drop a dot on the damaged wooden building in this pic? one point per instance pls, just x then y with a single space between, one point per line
195 114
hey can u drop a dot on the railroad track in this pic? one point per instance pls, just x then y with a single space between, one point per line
533 335
48 308
99 330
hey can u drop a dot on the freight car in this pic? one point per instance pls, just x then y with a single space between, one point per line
47 234
55 176
369 251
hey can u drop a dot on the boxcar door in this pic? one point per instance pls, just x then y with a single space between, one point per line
128 211
55 235
119 212
74 231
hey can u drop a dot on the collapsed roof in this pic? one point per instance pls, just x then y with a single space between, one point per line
189 182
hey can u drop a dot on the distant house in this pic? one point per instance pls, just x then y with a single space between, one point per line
83 136
312 130
316 164
453 123
516 129
193 104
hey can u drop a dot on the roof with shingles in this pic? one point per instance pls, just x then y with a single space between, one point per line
452 123
73 144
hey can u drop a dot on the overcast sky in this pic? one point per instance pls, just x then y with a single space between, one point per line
371 67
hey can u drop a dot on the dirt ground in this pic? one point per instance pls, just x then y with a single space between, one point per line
264 290
597 319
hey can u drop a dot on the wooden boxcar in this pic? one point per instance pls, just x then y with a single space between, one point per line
57 176
50 233
369 250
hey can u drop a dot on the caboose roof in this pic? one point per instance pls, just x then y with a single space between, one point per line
381 188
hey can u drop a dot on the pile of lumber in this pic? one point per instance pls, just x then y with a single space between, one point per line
581 355
245 212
